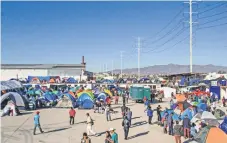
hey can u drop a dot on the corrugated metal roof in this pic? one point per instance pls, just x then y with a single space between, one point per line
40 66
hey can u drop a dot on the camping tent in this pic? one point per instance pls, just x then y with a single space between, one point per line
168 91
108 92
223 125
211 134
84 101
18 99
49 96
202 106
180 97
102 96
66 101
71 80
187 112
10 84
175 116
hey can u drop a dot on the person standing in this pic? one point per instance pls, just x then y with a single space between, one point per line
149 114
129 116
108 137
114 135
90 123
107 112
37 123
177 132
170 124
223 101
85 138
72 114
186 126
159 113
125 124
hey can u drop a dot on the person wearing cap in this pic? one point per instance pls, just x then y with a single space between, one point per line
37 123
114 135
126 125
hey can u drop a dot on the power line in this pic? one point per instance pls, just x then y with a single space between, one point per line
212 8
213 20
212 15
213 26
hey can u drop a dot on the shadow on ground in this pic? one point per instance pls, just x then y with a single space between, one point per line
138 135
140 123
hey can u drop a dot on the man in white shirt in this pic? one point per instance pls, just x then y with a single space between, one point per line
90 123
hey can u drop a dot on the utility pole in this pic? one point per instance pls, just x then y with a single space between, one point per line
121 62
190 31
112 67
138 57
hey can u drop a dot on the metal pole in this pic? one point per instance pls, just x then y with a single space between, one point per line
112 67
121 63
138 57
190 23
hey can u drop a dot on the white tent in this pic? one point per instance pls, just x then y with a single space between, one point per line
208 115
168 91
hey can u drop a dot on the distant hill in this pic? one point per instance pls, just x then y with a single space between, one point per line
173 69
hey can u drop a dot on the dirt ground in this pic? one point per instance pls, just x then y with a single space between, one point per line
55 123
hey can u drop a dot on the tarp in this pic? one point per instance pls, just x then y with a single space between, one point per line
65 102
15 97
207 115
211 134
71 80
175 116
10 84
202 106
168 91
216 90
49 96
180 97
187 112
223 125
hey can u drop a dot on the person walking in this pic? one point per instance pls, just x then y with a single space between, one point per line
125 124
129 116
72 114
170 124
90 123
149 114
159 113
114 135
85 138
223 101
177 132
165 122
37 123
107 112
186 126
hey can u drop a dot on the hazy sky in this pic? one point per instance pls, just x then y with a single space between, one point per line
62 32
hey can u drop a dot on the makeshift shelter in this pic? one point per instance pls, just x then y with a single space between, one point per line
18 99
84 101
66 101
71 80
211 134
180 97
223 125
35 80
175 116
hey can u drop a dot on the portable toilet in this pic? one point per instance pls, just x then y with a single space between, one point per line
147 93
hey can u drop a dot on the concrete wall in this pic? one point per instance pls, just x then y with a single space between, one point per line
7 74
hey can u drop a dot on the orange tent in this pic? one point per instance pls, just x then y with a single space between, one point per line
212 134
35 80
52 80
180 97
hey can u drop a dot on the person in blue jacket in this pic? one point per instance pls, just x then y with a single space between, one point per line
149 114
37 123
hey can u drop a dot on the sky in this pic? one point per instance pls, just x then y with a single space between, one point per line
63 32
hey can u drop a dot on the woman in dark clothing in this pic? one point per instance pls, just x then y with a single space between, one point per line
108 137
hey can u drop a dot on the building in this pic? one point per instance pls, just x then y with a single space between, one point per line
77 71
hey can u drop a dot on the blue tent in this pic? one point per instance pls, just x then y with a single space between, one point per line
182 81
102 96
41 78
69 96
49 96
187 112
223 125
202 106
84 101
175 116
71 80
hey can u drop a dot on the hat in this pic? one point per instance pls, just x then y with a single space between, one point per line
111 129
37 112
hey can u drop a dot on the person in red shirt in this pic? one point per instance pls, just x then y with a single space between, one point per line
72 114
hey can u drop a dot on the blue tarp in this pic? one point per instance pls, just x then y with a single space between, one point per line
202 106
49 96
187 112
175 116
182 81
41 78
71 80
222 82
223 125
216 90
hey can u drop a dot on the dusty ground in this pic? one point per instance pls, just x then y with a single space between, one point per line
55 123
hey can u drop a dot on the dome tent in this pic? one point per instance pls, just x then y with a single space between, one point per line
71 80
88 93
66 101
49 96
85 101
102 96
18 99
